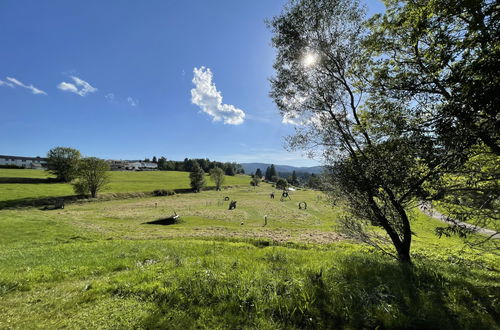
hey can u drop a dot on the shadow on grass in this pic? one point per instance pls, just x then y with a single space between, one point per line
37 201
165 221
356 293
28 180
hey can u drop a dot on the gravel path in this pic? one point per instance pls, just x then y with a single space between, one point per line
436 215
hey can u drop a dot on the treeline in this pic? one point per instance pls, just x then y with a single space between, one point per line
294 178
206 165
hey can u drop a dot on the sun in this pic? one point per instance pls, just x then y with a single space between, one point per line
309 59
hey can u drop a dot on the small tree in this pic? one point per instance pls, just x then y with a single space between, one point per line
155 160
281 184
197 177
218 177
63 162
255 180
92 176
258 173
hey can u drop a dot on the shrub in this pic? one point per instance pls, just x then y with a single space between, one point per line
163 192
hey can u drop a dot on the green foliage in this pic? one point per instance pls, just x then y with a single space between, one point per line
372 164
314 182
92 176
281 184
255 180
271 174
442 57
197 177
258 173
217 176
63 163
163 192
294 181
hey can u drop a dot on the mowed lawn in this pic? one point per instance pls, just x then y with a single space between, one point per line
120 182
100 265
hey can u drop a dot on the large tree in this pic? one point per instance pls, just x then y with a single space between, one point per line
444 56
92 176
197 177
63 162
377 154
441 59
218 177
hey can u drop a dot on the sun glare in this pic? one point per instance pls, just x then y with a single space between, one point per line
309 59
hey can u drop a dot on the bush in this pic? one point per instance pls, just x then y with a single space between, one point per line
163 192
80 188
281 184
12 166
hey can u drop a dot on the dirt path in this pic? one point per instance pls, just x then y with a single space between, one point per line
436 215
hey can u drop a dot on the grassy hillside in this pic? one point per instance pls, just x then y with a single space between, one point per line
14 183
99 265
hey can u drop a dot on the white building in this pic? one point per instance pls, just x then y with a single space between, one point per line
141 166
131 165
26 162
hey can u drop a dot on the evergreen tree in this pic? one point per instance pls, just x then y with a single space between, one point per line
273 173
294 180
268 174
162 164
155 160
197 177
230 170
258 173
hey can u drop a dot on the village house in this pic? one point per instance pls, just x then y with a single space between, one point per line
25 162
131 165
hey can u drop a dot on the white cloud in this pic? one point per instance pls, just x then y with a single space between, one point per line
14 81
80 87
64 86
5 83
132 102
209 99
110 97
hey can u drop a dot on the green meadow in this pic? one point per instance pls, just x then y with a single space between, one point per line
101 265
21 186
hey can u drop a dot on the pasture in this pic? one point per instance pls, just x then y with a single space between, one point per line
21 186
100 265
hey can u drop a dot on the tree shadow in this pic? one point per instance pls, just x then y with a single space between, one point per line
28 180
357 294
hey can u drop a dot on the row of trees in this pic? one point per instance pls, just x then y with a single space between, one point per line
294 178
398 106
206 165
88 175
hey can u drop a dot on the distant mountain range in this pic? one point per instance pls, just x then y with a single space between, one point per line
252 167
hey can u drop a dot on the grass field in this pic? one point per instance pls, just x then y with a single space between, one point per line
99 265
24 191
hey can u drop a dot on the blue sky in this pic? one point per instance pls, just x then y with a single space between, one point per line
114 79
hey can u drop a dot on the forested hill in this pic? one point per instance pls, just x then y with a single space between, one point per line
252 167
